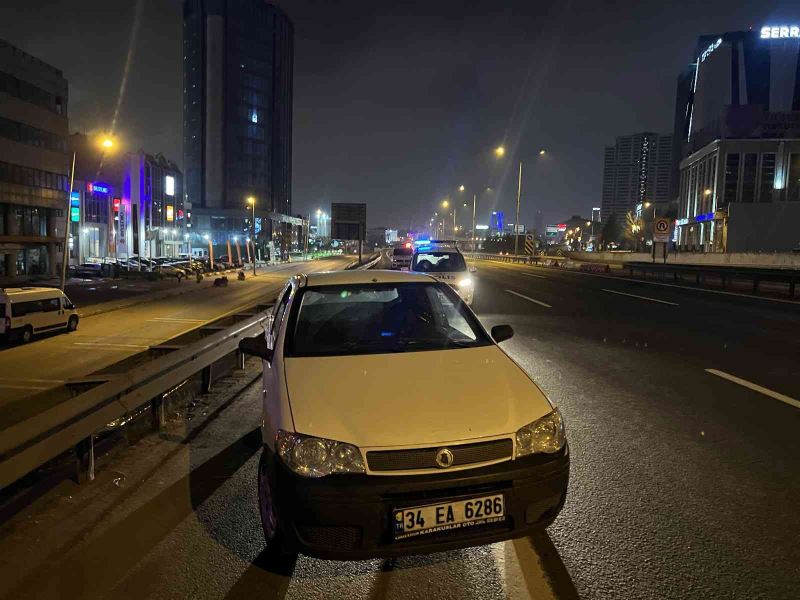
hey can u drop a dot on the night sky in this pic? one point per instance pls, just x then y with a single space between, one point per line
398 103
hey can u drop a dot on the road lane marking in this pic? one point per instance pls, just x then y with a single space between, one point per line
27 387
176 320
755 387
110 345
640 297
529 299
534 275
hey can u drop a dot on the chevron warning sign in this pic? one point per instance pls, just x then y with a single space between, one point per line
529 244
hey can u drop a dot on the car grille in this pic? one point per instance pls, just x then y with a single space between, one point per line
425 458
346 538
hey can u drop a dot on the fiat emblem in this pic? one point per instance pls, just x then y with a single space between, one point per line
444 458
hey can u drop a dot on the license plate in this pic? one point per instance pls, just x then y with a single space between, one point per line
448 516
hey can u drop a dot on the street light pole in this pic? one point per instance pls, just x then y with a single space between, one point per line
65 252
516 221
474 201
252 202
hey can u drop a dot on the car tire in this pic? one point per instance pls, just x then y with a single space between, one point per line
26 335
270 524
72 324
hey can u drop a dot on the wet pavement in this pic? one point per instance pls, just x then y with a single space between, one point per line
683 484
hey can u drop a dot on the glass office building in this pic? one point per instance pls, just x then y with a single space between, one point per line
238 62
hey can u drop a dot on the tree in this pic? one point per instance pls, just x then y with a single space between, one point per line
633 229
610 231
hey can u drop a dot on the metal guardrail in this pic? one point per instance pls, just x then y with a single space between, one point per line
725 273
29 444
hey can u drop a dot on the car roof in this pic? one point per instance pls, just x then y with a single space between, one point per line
22 291
354 276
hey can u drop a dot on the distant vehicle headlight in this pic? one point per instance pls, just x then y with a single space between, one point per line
466 282
545 435
317 457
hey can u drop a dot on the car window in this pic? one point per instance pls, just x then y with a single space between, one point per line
438 262
20 309
51 305
380 318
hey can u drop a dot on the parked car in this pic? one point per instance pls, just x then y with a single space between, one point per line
416 434
27 311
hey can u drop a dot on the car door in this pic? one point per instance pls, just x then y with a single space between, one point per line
52 314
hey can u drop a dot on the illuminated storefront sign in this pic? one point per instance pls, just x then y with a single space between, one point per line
169 185
75 207
99 188
170 213
704 217
780 32
562 227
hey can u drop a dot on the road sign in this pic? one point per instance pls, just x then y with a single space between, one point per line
661 228
529 244
348 221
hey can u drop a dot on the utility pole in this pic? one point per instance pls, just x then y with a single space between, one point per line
65 252
474 201
516 221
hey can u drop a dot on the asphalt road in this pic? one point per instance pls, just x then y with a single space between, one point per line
684 484
106 338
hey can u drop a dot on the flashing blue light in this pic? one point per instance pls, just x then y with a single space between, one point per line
387 334
705 217
420 242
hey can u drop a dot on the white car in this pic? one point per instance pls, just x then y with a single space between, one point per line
401 257
444 262
393 423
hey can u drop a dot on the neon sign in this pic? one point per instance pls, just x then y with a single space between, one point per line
710 49
780 32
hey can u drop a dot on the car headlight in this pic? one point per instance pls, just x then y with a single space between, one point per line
545 435
317 457
465 283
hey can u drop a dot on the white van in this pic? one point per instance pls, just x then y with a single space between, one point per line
28 310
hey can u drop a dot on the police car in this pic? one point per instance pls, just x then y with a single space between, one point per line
442 260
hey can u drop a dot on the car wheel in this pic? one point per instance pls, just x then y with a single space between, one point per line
27 334
273 535
72 324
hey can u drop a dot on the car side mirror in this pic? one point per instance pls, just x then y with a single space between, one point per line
501 333
256 346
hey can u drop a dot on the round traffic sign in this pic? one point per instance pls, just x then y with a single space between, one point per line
662 225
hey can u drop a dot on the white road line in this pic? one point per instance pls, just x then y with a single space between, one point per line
529 299
21 379
534 275
176 320
110 345
27 387
641 297
755 387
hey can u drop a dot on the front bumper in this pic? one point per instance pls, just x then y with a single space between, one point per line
349 517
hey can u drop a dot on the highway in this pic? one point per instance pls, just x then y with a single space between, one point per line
106 338
682 415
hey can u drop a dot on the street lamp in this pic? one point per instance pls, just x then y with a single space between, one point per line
500 152
252 202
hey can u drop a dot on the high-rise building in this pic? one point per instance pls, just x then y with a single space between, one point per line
738 117
34 165
596 214
636 169
238 69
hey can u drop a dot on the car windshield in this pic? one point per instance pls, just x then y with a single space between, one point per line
380 318
438 262
403 251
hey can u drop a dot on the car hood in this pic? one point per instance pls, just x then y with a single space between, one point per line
411 398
